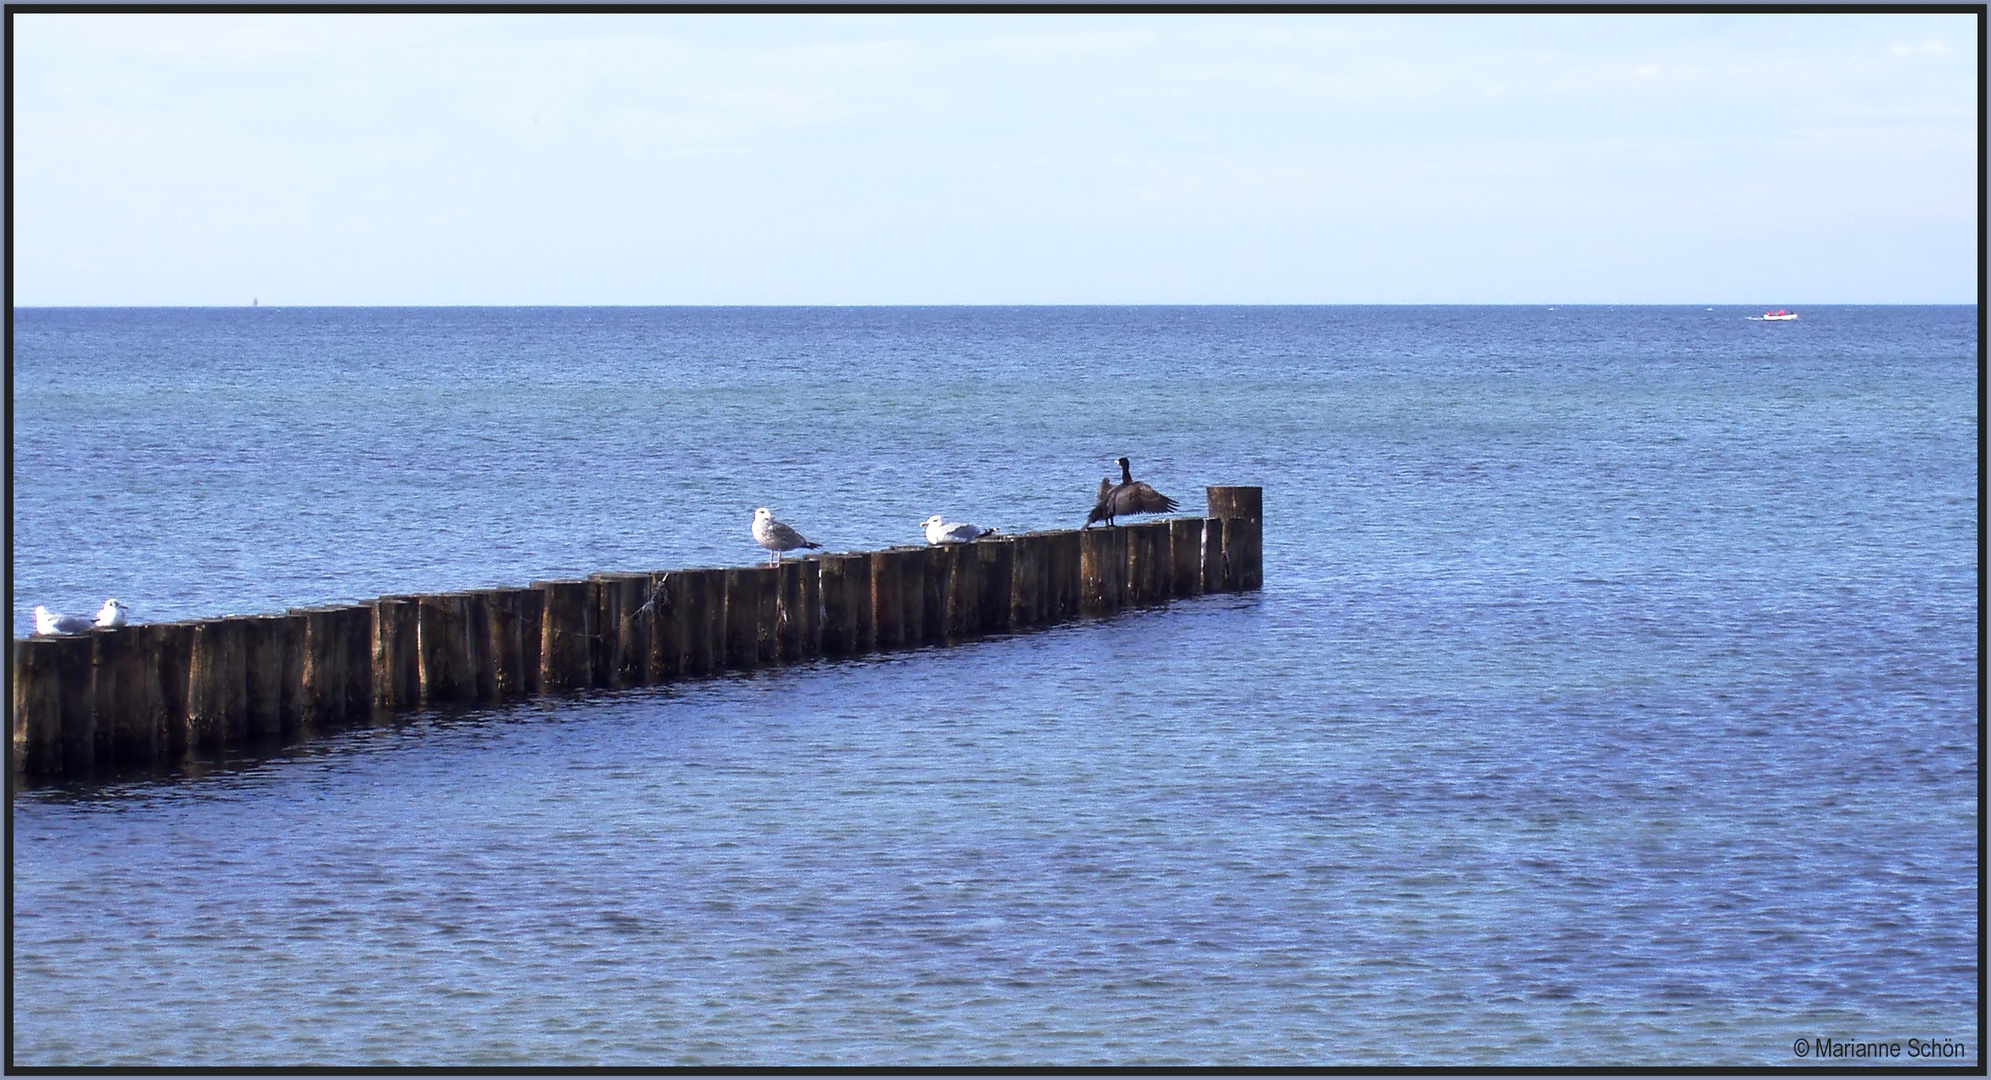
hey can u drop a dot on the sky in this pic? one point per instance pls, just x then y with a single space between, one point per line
403 159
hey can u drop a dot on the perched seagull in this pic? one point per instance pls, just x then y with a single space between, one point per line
1129 496
48 623
112 614
951 532
776 537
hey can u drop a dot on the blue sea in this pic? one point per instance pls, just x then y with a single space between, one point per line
1611 700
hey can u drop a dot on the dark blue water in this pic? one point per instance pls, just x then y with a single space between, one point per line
1611 700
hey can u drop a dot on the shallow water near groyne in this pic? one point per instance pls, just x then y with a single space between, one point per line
1611 698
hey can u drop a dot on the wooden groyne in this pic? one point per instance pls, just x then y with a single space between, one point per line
154 693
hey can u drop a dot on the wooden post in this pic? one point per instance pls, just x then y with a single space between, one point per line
742 633
442 629
666 660
217 685
396 655
812 609
176 650
1028 554
480 642
995 567
767 600
127 697
1064 593
1147 562
37 706
323 691
846 593
263 665
804 617
929 623
1244 544
624 653
568 635
78 736
704 621
354 625
1185 546
514 642
290 644
888 599
961 579
788 616
1216 575
1103 570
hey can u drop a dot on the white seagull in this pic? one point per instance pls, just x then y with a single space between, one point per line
939 531
48 623
776 537
112 614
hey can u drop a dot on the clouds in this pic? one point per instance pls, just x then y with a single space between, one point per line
941 158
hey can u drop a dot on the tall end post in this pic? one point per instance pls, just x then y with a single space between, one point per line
1243 541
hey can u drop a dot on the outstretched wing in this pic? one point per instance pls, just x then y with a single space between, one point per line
1102 508
1139 498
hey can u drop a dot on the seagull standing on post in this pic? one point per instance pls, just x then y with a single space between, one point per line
776 537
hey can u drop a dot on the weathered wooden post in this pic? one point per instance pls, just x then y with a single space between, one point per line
624 651
1244 543
218 685
446 666
767 594
788 610
323 688
514 642
37 728
888 599
1185 547
742 635
1216 569
1147 562
263 665
1103 569
130 710
396 655
809 614
176 651
704 621
290 642
79 707
666 613
568 635
961 579
1028 554
480 643
933 576
995 569
846 590
1063 590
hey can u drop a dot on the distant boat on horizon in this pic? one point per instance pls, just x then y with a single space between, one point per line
1779 315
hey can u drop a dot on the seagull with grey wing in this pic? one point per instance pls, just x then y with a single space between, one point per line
941 531
49 623
1129 496
776 537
